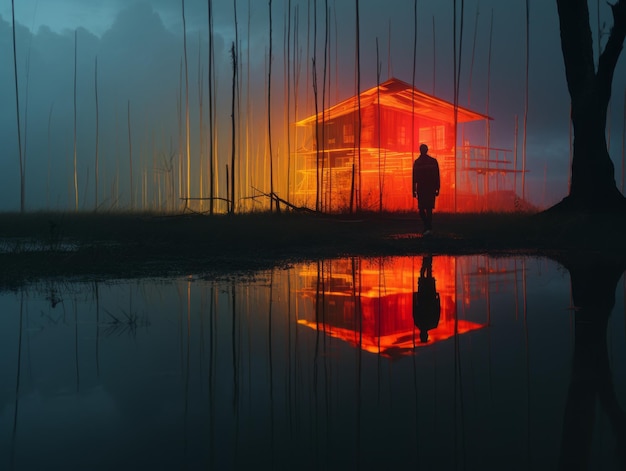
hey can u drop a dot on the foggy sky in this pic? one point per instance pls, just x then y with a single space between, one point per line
139 51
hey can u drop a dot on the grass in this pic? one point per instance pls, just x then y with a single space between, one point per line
145 244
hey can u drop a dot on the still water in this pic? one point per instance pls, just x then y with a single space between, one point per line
422 362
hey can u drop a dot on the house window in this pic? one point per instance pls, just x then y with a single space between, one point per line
433 136
348 133
402 135
440 137
426 137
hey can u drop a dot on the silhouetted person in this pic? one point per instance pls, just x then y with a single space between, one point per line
426 303
426 186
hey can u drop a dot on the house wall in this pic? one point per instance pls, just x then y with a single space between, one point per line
379 176
386 159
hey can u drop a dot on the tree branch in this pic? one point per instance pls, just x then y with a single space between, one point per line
610 55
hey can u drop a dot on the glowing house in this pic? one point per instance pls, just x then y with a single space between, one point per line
395 119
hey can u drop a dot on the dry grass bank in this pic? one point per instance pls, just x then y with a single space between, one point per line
79 244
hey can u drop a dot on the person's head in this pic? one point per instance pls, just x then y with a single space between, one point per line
423 336
423 149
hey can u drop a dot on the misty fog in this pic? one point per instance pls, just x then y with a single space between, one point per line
140 77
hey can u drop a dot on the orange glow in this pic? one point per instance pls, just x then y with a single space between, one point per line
394 120
372 303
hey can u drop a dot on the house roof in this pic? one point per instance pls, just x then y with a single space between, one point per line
399 95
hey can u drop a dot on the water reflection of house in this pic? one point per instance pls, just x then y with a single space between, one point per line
369 302
395 120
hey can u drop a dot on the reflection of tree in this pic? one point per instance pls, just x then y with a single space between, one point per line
426 303
125 322
593 289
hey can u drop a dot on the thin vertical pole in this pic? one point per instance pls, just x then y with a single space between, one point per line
201 124
325 154
130 160
288 78
75 169
525 105
413 82
210 78
515 148
358 81
314 83
48 177
248 106
97 133
488 124
457 76
471 71
236 173
330 168
389 67
269 109
434 58
233 53
380 178
187 144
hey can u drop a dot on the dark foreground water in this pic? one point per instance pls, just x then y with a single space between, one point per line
321 366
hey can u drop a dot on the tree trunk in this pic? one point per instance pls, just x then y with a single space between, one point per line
593 186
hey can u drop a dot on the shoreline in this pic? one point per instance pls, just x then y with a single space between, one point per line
45 245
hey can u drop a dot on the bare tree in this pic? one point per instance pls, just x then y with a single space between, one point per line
593 184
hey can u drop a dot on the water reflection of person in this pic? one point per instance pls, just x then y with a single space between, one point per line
426 304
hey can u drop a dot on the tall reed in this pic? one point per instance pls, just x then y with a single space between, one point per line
296 75
187 131
49 155
380 177
358 91
434 57
488 94
471 69
269 111
325 155
233 55
17 109
413 81
201 124
236 110
288 92
317 136
130 157
211 110
527 57
75 117
247 178
97 134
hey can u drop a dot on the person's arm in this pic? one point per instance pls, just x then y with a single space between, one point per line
437 179
414 186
